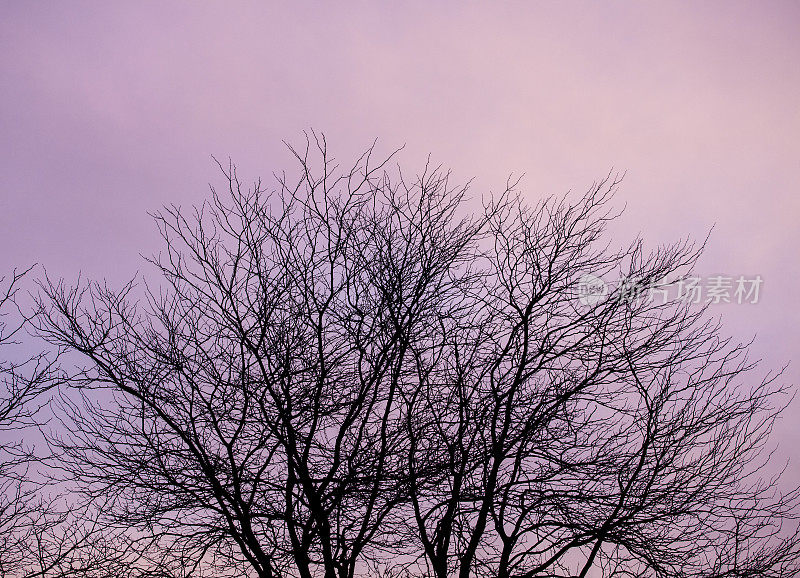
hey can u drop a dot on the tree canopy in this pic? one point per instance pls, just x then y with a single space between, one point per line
355 373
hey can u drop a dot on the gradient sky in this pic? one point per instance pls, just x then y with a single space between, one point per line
108 111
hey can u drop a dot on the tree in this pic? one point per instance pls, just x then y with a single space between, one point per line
351 375
22 382
45 531
36 536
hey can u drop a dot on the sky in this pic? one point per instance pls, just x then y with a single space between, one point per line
108 111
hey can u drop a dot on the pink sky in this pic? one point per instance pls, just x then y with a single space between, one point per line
107 112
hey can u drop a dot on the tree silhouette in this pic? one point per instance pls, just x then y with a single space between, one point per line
22 384
38 535
352 375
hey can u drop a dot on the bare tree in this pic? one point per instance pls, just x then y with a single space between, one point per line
45 532
350 375
22 383
28 544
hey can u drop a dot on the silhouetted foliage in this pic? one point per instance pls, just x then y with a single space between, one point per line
353 375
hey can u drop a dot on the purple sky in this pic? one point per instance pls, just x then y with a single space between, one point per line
107 112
